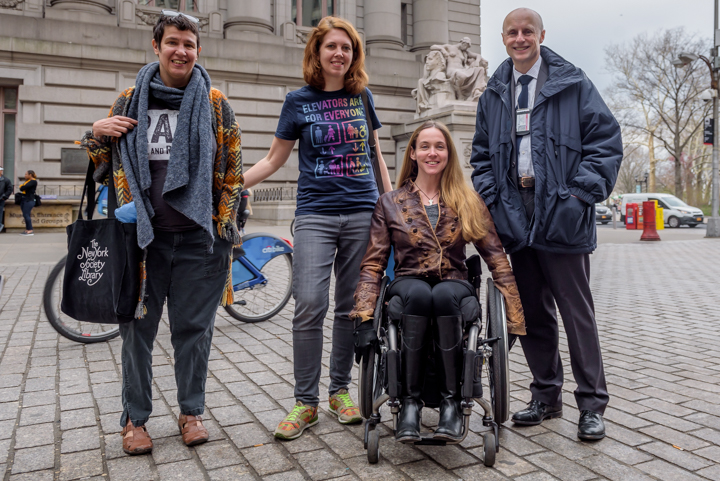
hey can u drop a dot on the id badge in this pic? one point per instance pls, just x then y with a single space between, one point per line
522 121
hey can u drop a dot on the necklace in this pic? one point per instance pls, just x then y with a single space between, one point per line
430 199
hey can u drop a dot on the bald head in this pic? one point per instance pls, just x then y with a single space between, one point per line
522 35
524 13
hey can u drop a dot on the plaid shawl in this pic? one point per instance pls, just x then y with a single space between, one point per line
227 170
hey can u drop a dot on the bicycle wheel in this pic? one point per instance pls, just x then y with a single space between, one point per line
498 364
78 331
263 301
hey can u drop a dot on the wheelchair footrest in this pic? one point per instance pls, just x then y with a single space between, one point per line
393 373
472 379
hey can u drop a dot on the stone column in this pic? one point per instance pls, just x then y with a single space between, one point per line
248 16
430 24
89 11
92 6
382 24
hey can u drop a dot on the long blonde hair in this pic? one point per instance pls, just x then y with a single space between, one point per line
454 190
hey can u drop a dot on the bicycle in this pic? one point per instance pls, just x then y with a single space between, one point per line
262 285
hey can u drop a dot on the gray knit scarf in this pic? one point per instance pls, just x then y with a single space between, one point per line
188 185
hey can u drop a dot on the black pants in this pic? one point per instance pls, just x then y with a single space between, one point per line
545 279
431 298
181 270
27 207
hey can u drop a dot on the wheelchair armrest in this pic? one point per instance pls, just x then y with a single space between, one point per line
474 266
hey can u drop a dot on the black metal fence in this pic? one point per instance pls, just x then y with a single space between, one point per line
60 191
273 194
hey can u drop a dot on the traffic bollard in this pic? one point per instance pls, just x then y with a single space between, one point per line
649 231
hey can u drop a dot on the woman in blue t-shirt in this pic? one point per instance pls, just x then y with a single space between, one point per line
335 200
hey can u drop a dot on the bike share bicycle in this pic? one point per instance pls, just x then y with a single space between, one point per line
262 285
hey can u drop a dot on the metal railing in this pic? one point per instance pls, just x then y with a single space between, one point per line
61 191
274 194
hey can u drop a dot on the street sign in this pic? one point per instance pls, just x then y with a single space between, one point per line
708 132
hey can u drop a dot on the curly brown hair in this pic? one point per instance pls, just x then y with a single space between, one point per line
355 79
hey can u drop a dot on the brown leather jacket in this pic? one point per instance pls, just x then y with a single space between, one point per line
400 220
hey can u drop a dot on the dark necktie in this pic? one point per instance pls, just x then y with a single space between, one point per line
523 98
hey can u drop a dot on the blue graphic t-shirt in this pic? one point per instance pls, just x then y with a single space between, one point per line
336 174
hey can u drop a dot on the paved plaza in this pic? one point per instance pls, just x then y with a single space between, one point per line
657 310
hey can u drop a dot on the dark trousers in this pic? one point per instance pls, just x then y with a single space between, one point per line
421 297
545 279
27 207
181 270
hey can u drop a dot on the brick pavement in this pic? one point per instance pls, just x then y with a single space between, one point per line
660 331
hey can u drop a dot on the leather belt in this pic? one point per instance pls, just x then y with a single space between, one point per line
526 182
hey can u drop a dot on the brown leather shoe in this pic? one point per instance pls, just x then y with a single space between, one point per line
192 430
136 440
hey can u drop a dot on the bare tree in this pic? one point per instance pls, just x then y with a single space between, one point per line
634 166
656 100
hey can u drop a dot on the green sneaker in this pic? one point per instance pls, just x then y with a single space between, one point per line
296 421
342 405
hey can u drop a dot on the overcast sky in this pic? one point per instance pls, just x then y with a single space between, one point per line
579 30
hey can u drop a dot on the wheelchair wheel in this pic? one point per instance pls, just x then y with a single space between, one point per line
498 365
369 385
373 447
489 449
371 371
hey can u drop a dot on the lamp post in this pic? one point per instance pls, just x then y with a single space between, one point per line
713 226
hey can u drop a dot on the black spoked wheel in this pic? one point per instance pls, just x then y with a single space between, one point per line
498 364
78 331
263 301
372 366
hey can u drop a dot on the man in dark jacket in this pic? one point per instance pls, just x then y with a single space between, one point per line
546 149
6 190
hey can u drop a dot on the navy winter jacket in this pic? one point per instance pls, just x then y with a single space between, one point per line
576 151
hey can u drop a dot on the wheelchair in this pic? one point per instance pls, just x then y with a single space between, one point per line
379 371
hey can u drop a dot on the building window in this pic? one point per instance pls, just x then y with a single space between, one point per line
308 13
186 5
8 113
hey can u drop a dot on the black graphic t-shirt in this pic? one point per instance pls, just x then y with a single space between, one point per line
162 121
336 174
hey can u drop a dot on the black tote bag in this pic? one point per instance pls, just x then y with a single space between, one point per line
102 273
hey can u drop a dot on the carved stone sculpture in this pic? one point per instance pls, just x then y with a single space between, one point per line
452 72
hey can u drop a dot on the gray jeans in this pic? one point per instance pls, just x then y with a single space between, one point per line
181 271
323 244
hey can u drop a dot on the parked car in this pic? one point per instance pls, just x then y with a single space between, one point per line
602 214
675 211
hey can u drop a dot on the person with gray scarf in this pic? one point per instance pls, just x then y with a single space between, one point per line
172 148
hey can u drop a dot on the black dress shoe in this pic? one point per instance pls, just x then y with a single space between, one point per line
591 426
535 413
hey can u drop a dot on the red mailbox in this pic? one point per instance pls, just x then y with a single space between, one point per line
631 215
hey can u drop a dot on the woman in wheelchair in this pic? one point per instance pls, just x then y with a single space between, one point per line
428 221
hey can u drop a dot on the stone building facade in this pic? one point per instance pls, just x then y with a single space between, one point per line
63 62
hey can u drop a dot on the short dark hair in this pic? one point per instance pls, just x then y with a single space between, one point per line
180 22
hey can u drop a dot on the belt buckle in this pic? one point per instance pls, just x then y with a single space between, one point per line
530 182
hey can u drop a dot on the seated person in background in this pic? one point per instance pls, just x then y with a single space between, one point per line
429 220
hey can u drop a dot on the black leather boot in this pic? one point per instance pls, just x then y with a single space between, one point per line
412 352
449 349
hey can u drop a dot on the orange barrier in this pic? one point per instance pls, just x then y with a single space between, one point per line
649 231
